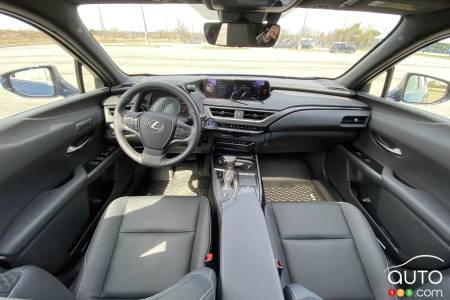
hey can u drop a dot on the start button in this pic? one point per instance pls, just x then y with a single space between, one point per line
210 123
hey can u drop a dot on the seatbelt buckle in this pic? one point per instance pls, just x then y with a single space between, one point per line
209 257
279 267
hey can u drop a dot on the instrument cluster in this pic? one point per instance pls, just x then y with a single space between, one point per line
162 102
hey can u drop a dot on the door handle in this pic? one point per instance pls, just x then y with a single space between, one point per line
387 145
74 148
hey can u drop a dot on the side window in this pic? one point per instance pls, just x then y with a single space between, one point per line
34 69
375 87
421 81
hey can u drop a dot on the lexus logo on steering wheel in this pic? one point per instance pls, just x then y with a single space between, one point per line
155 125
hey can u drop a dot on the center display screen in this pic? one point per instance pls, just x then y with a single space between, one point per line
257 90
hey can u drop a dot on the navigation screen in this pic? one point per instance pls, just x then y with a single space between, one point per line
257 90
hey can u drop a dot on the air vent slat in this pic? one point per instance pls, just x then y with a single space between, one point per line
256 115
222 112
111 109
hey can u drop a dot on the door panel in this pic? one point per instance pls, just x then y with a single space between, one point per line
407 199
42 186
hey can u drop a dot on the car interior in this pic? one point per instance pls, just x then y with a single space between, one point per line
225 186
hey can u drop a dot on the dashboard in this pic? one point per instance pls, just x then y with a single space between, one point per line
257 115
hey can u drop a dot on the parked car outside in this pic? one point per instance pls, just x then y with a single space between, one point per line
286 44
342 47
306 44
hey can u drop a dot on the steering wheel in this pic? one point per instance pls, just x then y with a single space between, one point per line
156 130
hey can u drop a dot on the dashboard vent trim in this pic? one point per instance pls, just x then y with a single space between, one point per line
256 115
222 112
354 120
112 108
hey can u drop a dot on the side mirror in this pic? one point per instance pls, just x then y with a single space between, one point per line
241 34
37 82
424 89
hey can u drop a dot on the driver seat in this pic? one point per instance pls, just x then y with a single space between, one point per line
144 245
149 247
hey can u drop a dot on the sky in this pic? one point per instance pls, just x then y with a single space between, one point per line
128 17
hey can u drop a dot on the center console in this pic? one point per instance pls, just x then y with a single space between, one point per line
233 173
247 262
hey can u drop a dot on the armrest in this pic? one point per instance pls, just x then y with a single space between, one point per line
296 291
197 285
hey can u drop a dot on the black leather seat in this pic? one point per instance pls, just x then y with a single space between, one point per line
143 247
327 248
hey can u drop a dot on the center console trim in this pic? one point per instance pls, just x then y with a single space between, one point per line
247 269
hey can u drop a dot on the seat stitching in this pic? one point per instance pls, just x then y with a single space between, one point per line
181 231
209 228
87 252
206 293
112 251
183 282
211 281
195 235
315 239
379 247
210 275
356 248
275 221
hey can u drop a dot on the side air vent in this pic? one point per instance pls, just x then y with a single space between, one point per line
354 120
222 112
111 109
256 115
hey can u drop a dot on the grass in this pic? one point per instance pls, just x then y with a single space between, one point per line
11 38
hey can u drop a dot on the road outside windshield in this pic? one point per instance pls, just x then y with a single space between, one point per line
169 39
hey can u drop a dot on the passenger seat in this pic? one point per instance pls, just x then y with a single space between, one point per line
326 248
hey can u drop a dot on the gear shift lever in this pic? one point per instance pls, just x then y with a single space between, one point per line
229 162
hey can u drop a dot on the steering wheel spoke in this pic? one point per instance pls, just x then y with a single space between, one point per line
182 133
153 156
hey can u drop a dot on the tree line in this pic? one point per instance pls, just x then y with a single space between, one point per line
358 36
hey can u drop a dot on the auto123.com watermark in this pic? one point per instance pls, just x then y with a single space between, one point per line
415 278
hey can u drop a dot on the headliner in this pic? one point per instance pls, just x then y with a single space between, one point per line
398 7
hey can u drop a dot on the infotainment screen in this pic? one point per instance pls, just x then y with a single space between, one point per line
257 90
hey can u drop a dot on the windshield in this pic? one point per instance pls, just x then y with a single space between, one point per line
169 39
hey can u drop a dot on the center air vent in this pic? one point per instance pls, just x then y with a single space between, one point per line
256 115
222 112
111 109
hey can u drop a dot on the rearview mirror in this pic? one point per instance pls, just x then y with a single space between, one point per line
242 34
423 89
37 82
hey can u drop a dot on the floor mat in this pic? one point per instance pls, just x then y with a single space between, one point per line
286 178
185 180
